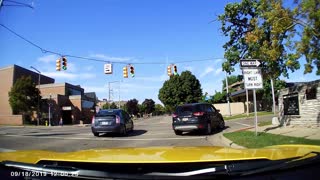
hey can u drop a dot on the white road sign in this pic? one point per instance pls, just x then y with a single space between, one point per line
252 78
108 68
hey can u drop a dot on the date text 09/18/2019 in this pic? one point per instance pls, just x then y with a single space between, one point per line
39 174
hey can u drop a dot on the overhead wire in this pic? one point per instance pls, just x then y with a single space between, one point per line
43 50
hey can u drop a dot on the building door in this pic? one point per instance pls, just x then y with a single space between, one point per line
66 116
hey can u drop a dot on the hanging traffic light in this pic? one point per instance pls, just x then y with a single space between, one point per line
169 70
58 65
125 72
175 70
132 71
64 63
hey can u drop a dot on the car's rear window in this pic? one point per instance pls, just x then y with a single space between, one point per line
107 113
188 109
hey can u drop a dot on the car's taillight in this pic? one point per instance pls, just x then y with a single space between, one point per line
92 121
174 115
117 119
198 113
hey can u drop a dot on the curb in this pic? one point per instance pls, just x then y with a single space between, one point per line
242 118
229 143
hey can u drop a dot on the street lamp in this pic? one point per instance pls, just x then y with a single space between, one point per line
38 112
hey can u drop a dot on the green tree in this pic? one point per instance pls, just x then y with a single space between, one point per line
220 97
267 93
132 106
106 106
265 30
149 105
159 109
179 89
113 106
231 80
23 96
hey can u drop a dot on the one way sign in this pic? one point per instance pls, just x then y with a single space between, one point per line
250 63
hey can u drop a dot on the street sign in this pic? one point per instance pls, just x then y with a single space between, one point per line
252 78
108 68
253 63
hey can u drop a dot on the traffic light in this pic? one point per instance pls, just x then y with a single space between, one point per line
125 72
64 63
169 70
175 70
58 64
132 71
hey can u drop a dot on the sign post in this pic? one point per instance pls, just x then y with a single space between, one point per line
252 80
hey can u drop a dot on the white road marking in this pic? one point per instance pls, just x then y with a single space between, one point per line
243 124
110 139
6 150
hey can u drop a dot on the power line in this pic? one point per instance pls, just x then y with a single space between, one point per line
17 4
43 50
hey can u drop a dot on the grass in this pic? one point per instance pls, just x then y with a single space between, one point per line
265 123
262 113
249 140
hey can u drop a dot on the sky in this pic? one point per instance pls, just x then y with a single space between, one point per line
135 31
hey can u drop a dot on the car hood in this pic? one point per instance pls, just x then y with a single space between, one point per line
161 154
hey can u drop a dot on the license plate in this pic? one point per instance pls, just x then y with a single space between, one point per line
105 123
185 119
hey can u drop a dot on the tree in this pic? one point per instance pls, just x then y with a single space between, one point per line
106 106
231 80
113 106
179 89
266 91
23 96
159 109
265 30
132 106
149 105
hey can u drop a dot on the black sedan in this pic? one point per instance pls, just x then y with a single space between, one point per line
111 121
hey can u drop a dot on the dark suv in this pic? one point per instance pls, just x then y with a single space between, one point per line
196 116
111 121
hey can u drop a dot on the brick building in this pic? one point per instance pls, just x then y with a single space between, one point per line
66 100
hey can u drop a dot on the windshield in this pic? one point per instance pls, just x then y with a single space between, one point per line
82 75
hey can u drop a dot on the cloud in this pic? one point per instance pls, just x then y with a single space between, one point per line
206 71
48 58
89 68
218 71
69 76
110 58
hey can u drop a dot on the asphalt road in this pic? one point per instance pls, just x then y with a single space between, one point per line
155 131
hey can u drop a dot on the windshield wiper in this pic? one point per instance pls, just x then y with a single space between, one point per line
228 169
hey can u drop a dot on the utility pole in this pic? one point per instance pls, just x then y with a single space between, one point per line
247 98
227 87
38 113
273 97
50 110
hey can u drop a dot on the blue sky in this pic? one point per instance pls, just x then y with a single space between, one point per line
120 31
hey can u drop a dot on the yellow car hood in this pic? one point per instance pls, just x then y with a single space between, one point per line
161 154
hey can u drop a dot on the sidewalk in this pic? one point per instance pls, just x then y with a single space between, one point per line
304 132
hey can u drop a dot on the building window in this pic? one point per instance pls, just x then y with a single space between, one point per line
311 92
87 104
73 92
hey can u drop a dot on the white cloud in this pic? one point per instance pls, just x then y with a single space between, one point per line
218 71
89 68
96 89
110 58
69 76
206 71
48 58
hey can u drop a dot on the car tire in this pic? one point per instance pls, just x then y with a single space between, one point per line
178 132
124 130
96 134
221 124
208 129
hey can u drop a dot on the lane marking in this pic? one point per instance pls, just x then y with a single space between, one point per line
111 139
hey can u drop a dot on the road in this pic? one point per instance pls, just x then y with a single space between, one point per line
155 131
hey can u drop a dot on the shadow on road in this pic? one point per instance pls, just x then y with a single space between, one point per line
51 134
137 132
199 133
